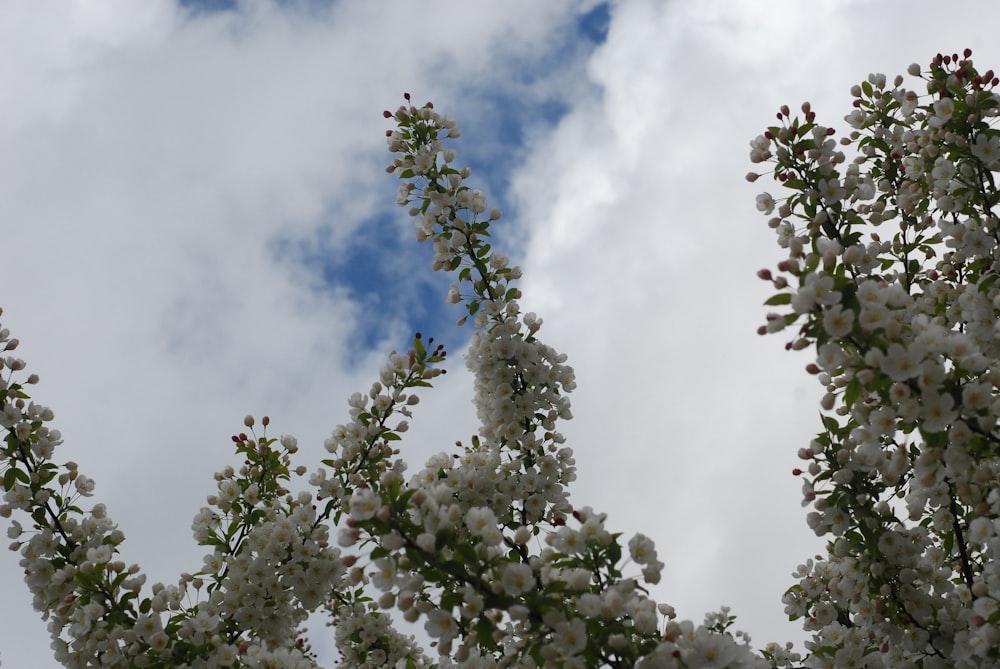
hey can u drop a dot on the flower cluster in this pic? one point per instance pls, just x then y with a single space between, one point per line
269 565
893 256
456 544
481 546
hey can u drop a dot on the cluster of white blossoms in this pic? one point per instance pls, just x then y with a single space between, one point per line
368 641
457 544
482 546
892 272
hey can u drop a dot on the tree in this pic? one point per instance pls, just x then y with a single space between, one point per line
891 273
483 546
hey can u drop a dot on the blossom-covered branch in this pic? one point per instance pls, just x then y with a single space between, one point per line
458 544
482 545
893 256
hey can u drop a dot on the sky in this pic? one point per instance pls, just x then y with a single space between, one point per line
196 224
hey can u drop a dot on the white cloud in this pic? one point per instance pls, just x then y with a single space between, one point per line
151 159
644 247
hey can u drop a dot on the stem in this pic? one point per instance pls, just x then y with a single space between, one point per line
963 552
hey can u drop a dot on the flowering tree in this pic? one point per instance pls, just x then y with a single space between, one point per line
483 546
892 268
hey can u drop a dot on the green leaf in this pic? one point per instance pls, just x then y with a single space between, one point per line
985 285
831 424
12 475
780 298
852 392
38 514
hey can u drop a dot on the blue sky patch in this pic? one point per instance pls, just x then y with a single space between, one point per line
208 5
594 24
379 264
386 273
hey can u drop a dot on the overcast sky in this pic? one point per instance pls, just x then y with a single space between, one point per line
195 224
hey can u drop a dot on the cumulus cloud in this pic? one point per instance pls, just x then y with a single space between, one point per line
165 174
644 243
